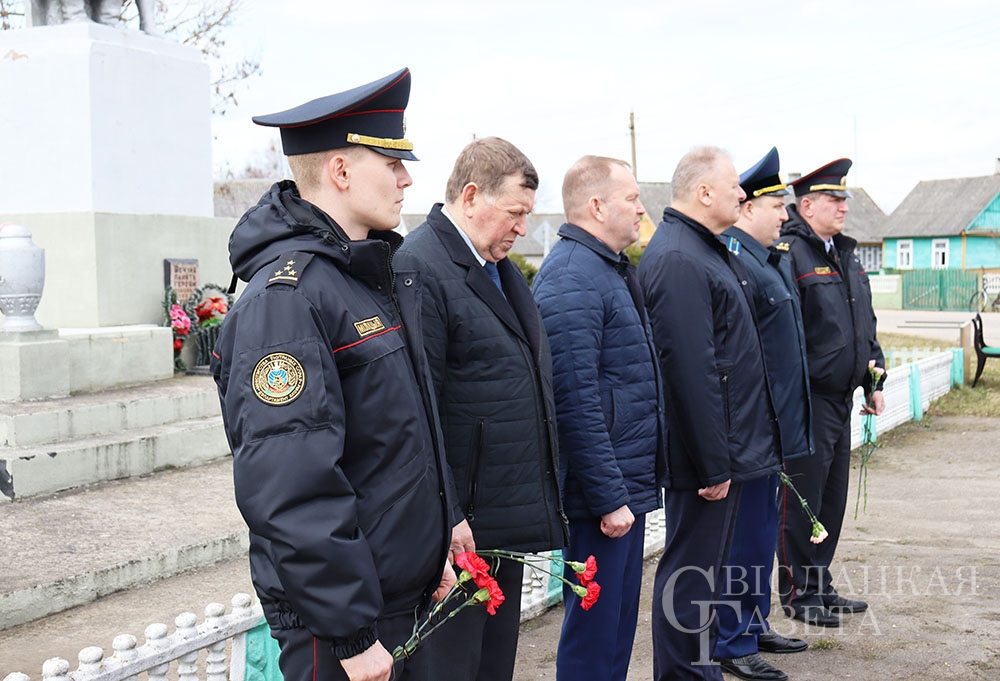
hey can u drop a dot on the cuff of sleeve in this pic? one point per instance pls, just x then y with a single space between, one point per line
345 648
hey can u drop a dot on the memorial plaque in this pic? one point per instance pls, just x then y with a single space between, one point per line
182 275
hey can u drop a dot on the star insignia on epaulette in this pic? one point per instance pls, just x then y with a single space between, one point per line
782 246
286 273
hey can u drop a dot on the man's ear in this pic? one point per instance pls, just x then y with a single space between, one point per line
596 209
470 194
746 208
704 194
338 170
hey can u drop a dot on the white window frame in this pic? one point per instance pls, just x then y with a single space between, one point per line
904 247
939 247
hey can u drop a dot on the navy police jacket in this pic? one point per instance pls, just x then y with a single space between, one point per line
492 371
720 421
779 323
837 310
608 402
327 406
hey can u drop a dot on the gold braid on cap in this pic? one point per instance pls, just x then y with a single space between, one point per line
381 142
830 187
768 190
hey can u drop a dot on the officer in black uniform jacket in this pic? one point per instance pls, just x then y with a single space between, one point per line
839 325
325 391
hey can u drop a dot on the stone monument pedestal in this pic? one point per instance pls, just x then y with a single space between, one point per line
33 365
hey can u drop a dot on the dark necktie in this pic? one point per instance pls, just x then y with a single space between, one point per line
491 269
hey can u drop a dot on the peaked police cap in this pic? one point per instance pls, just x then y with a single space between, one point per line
369 115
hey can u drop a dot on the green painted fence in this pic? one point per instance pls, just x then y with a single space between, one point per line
938 289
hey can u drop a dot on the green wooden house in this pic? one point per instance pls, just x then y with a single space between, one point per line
946 224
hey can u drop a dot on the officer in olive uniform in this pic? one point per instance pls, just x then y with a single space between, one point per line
743 627
839 326
326 396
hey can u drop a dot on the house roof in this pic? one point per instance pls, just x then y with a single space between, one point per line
655 197
865 220
864 223
942 207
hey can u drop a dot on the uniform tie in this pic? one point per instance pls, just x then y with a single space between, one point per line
491 269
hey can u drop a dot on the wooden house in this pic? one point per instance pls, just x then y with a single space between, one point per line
946 224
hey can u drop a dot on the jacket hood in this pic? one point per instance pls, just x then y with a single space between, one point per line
283 221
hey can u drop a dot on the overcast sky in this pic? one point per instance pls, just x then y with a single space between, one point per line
909 91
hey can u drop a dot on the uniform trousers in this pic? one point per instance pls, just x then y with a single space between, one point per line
306 658
596 644
746 591
477 646
687 584
804 578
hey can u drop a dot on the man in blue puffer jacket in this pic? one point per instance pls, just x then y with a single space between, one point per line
608 405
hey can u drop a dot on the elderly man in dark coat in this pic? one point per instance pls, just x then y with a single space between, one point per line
492 369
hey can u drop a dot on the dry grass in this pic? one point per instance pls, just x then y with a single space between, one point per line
983 400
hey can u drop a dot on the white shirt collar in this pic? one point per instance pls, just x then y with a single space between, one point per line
465 237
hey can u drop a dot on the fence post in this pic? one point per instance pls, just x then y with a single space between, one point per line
916 398
957 367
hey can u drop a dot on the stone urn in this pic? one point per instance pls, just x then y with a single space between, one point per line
22 276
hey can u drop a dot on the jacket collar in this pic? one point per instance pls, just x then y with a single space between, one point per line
703 232
513 310
571 232
748 243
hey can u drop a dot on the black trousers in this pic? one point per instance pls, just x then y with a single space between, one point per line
804 578
306 658
477 646
688 583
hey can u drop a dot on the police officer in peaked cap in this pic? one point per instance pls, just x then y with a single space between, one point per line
327 397
843 354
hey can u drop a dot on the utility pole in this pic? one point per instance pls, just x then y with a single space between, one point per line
631 129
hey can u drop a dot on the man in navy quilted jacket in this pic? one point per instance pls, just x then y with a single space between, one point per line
608 406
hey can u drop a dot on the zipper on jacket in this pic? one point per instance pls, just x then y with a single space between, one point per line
478 445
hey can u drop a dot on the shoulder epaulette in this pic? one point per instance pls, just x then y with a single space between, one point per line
782 246
288 268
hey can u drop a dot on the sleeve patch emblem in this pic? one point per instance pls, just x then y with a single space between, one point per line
278 379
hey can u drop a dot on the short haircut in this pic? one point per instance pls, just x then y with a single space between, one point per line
692 169
586 178
487 162
307 169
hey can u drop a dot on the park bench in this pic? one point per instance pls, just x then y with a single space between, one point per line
983 351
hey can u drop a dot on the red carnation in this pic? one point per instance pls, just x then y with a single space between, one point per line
207 309
593 591
178 344
474 565
590 569
496 596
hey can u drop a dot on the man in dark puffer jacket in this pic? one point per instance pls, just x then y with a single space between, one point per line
492 373
609 407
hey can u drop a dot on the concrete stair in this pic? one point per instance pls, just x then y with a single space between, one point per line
107 491
72 548
58 444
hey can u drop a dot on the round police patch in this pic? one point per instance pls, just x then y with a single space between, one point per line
278 379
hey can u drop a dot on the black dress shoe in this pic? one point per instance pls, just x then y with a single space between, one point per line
844 605
753 668
817 615
770 642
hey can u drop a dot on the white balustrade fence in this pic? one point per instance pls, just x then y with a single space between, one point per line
908 391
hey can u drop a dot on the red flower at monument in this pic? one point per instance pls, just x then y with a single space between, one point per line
178 344
211 311
593 591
